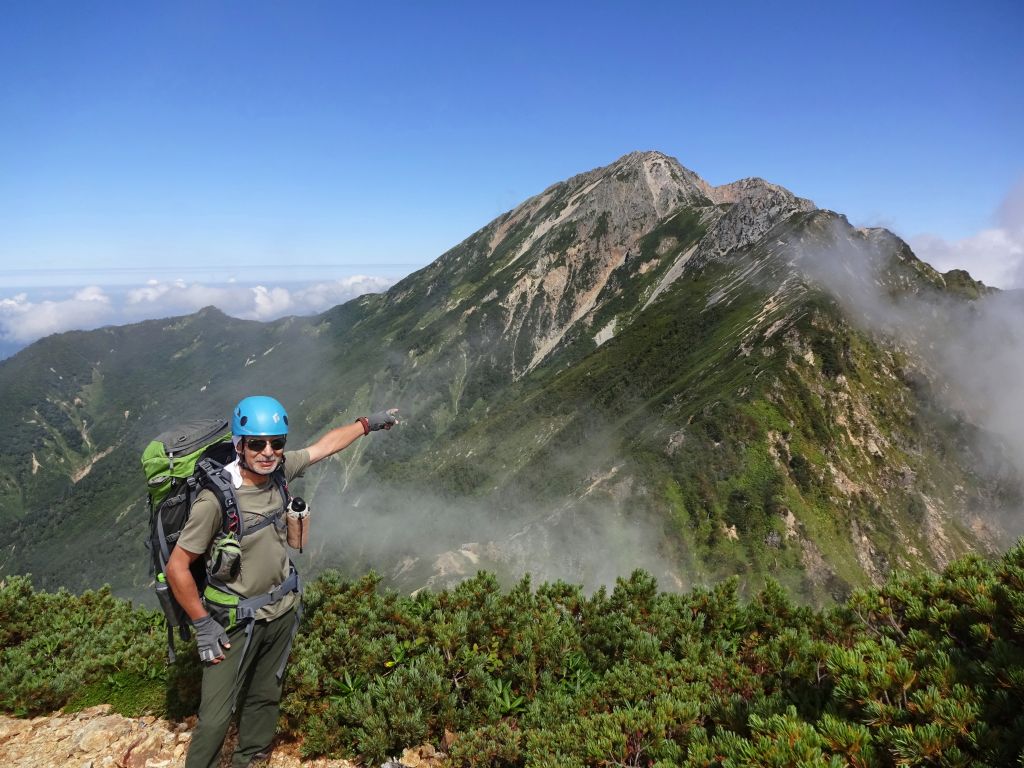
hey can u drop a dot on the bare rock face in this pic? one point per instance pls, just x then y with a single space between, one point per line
92 738
573 238
755 207
580 232
95 738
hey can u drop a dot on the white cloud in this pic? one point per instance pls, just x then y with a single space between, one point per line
321 296
268 303
91 293
995 256
24 319
159 299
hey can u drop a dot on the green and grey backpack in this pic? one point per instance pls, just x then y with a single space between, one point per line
178 464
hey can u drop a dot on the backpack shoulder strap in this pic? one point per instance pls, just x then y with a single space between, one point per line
282 485
213 477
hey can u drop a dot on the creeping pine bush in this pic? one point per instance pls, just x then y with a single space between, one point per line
60 650
926 670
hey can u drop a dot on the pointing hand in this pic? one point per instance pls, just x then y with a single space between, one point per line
382 419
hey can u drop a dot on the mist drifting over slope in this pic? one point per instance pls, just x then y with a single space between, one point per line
416 538
970 350
973 348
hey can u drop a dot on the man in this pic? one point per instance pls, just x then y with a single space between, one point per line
253 591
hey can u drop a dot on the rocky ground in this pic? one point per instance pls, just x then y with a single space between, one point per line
96 738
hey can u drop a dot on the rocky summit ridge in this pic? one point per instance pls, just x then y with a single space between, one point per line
560 249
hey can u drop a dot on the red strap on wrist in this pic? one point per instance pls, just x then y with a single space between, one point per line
366 424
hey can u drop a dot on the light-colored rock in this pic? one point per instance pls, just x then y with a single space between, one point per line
95 738
424 756
147 747
11 727
98 733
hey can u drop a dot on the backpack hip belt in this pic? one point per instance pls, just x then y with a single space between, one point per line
242 611
230 609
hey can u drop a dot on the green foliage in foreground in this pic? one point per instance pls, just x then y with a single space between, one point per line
63 650
926 670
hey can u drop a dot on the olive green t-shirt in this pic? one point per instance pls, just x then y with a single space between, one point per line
264 553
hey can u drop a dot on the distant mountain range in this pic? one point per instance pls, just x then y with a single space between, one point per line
633 368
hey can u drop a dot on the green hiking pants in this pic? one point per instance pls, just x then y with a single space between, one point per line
258 702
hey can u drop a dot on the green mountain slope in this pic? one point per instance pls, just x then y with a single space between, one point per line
632 368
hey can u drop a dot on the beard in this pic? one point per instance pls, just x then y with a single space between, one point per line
260 469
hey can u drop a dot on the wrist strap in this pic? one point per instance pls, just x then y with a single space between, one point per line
366 424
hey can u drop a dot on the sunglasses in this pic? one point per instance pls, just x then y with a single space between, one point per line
256 445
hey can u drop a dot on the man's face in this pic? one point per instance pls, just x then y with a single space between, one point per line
263 454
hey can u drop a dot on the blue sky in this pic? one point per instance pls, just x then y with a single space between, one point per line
152 152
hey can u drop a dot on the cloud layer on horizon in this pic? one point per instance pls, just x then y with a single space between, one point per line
24 319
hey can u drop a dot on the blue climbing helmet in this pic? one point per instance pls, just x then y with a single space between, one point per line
259 415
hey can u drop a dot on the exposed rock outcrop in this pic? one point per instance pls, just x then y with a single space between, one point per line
95 738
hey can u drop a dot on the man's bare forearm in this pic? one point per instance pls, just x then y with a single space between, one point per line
179 576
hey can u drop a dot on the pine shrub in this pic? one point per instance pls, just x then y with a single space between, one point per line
926 670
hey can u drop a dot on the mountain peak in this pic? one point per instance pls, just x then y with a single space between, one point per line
562 252
659 171
753 187
657 166
643 158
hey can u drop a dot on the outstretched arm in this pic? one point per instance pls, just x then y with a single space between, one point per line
342 437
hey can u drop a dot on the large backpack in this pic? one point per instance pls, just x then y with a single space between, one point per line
179 464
